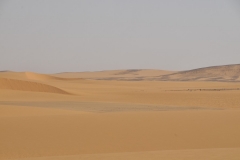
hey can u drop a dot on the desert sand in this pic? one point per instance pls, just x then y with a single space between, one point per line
120 115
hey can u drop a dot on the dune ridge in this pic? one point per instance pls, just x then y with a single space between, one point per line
214 73
141 117
13 84
225 73
33 76
129 74
41 77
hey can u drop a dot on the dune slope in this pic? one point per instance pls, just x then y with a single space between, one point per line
132 119
215 73
131 74
229 73
32 76
21 85
40 77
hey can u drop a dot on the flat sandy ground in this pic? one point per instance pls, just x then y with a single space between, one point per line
45 117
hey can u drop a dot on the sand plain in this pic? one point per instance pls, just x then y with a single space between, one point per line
63 116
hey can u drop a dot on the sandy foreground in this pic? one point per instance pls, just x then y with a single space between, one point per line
45 117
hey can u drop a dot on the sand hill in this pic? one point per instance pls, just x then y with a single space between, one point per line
31 76
124 115
40 77
132 74
229 73
21 85
215 73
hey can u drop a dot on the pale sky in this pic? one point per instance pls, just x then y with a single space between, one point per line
50 36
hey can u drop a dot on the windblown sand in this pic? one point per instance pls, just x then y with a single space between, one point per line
45 117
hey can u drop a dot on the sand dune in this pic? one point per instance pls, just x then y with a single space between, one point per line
13 75
229 73
32 76
21 85
136 118
158 93
28 76
132 74
40 77
216 73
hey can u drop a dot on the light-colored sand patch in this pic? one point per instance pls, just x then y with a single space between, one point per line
196 154
101 107
94 133
26 111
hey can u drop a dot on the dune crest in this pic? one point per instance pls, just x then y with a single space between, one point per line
215 73
32 76
21 85
225 73
128 75
114 119
40 77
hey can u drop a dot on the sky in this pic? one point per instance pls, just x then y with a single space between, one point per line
52 36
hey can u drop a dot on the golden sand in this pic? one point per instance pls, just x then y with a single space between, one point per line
45 117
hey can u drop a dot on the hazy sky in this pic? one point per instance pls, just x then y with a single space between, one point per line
86 35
